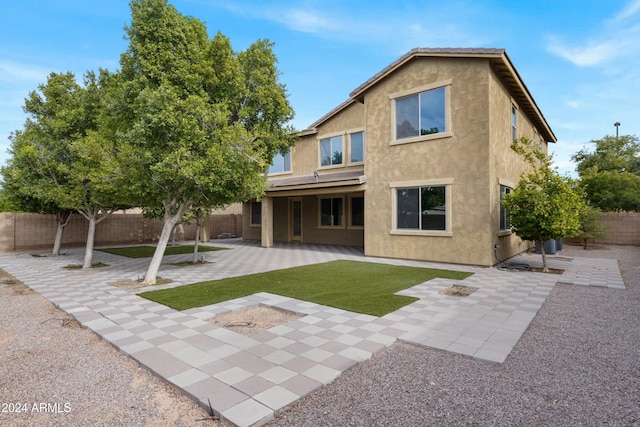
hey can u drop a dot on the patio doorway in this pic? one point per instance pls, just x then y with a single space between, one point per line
295 219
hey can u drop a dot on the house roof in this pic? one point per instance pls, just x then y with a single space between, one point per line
499 60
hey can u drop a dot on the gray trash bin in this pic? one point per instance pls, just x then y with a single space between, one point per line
549 247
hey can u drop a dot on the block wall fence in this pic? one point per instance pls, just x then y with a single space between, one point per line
623 228
23 231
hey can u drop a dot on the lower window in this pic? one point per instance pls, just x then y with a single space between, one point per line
331 212
505 224
256 213
421 208
357 211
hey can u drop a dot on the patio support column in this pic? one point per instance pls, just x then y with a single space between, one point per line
267 222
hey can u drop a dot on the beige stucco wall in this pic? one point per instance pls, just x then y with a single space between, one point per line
305 156
462 157
506 165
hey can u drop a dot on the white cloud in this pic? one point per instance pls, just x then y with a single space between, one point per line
584 56
618 38
305 21
13 72
631 9
398 31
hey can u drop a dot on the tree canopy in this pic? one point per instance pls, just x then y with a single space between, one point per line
610 175
198 123
611 154
60 159
185 123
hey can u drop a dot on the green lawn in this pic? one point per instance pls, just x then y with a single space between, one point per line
147 251
361 287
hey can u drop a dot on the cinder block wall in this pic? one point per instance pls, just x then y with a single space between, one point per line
23 231
624 228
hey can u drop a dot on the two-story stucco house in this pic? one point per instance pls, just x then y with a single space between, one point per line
413 165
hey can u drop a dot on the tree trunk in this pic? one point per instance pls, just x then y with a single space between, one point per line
88 252
169 222
544 258
92 216
195 244
62 219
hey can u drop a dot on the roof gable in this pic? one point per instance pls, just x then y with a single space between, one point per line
498 58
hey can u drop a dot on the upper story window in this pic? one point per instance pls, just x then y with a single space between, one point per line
356 140
514 122
281 163
331 151
421 112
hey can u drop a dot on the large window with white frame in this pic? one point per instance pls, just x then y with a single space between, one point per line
281 163
331 150
421 113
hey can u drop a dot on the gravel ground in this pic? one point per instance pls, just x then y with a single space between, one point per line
577 364
46 358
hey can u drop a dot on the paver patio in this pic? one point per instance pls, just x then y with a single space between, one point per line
247 379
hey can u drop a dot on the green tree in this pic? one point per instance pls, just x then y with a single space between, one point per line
17 192
591 225
544 205
61 162
39 150
611 154
6 204
612 191
610 175
199 123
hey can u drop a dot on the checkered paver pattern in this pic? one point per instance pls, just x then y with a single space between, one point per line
246 380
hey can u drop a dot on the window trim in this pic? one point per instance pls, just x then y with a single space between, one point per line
446 84
442 182
329 136
331 197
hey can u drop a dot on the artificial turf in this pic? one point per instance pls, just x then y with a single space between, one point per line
361 287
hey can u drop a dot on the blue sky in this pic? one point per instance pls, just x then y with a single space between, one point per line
579 59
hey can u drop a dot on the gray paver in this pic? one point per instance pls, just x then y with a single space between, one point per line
247 379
